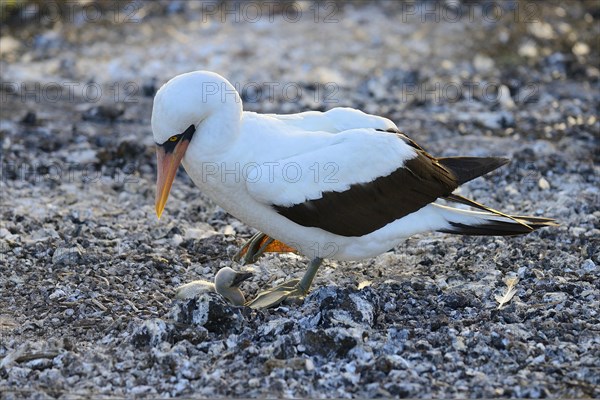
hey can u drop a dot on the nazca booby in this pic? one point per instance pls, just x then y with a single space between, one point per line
340 184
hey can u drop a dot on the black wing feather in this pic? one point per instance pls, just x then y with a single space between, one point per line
469 168
366 207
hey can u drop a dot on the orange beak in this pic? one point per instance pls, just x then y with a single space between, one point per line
167 165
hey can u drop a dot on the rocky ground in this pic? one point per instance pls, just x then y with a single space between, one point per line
87 273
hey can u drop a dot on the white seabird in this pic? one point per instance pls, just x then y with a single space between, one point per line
339 184
226 284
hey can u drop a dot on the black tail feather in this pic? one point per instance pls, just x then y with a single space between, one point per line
500 228
491 228
463 200
469 168
513 225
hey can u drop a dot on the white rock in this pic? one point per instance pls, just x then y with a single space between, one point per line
8 44
589 266
504 98
82 156
554 297
494 120
528 49
577 231
199 233
228 230
543 184
542 30
483 63
57 293
42 234
581 49
177 239
309 365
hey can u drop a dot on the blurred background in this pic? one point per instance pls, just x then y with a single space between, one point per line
369 49
85 266
457 66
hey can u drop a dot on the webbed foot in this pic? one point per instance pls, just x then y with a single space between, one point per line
294 290
287 291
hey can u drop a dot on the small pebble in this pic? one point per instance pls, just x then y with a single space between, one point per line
309 365
589 266
581 49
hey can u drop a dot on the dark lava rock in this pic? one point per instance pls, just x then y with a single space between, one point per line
458 300
103 113
29 119
401 389
127 156
347 307
206 249
328 342
67 255
498 341
210 311
284 348
149 88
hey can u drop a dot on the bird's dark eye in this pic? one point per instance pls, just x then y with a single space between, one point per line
173 138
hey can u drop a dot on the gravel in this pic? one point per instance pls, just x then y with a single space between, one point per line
87 274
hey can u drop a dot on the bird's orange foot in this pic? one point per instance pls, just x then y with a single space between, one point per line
259 244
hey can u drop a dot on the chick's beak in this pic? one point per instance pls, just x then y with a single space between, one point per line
240 277
167 165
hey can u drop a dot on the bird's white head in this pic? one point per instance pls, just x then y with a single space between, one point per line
200 110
